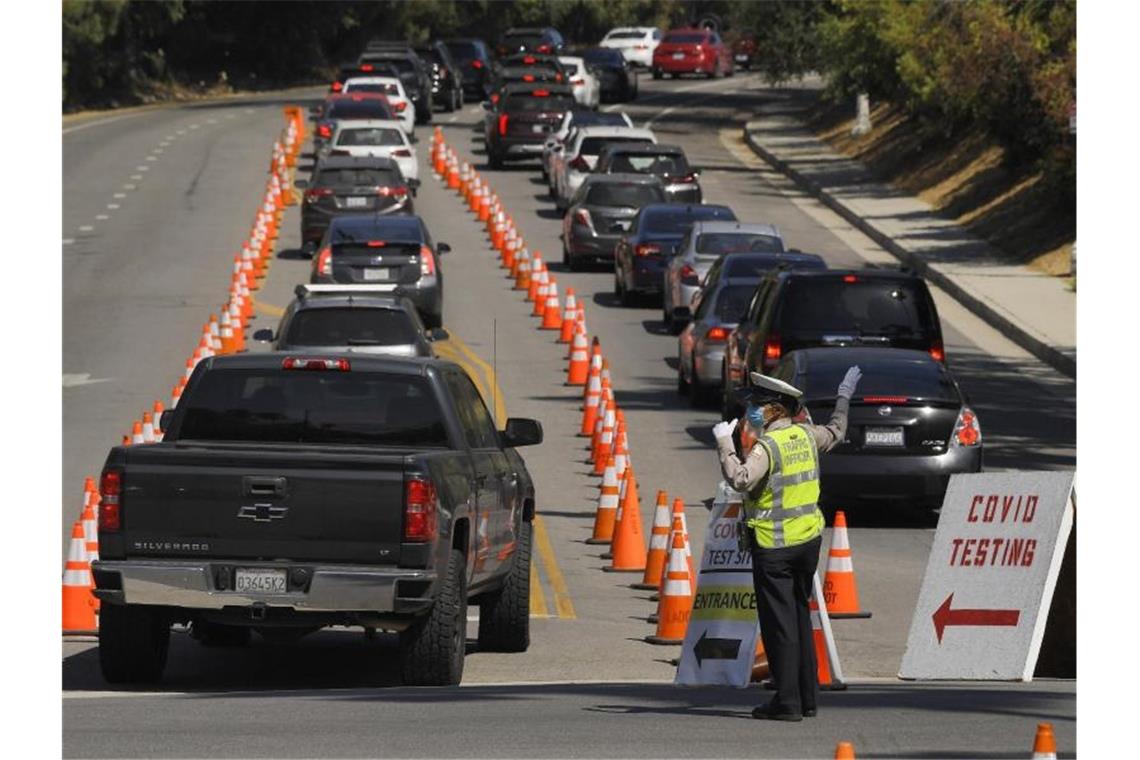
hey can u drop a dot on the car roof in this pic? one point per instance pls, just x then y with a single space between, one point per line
396 365
356 162
631 29
689 206
342 97
371 79
613 179
529 30
722 225
778 260
612 130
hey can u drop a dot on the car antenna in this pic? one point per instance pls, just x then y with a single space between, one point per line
495 369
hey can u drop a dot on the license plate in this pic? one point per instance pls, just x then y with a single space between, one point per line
741 57
356 202
259 581
883 436
375 273
678 56
621 225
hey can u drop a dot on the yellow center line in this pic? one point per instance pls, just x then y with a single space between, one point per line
499 407
537 597
267 309
562 601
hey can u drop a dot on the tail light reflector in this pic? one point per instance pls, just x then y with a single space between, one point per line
427 262
337 86
772 349
503 121
313 193
324 130
421 504
967 432
936 351
646 249
476 64
324 261
318 365
717 334
110 489
689 275
402 153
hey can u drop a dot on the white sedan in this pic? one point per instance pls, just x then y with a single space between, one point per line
393 88
379 138
587 88
636 43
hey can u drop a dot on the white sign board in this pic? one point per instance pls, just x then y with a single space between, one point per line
989 582
720 642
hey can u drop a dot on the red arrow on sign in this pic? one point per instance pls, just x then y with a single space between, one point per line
944 616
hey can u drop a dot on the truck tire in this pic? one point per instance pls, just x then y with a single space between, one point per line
219 635
432 650
133 642
504 616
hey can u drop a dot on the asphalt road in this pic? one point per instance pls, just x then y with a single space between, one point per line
139 283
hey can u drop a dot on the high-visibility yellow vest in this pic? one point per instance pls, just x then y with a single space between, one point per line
785 512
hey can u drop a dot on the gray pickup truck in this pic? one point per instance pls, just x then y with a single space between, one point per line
296 492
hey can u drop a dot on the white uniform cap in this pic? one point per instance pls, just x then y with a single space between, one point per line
774 387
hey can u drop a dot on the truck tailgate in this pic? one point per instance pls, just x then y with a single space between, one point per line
276 502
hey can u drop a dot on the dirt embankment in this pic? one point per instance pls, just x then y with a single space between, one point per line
968 178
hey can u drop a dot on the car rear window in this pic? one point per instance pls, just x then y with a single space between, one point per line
402 65
897 309
660 164
350 327
678 222
592 146
529 40
377 87
372 108
375 136
325 407
462 52
914 379
398 244
625 35
685 38
732 302
603 55
597 118
624 194
355 178
738 242
528 103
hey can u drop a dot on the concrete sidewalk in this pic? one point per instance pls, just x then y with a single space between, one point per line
1034 310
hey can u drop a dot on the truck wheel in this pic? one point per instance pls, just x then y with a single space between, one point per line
432 649
133 642
219 635
504 616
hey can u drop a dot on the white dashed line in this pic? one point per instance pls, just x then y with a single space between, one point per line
249 110
182 131
211 121
142 168
68 241
168 137
133 176
230 115
86 228
164 144
130 186
194 126
113 206
119 195
152 158
158 151
102 217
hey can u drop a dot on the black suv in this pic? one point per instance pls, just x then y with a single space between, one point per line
836 307
518 123
446 77
349 185
413 72
531 40
474 60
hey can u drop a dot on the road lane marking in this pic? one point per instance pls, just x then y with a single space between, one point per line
562 601
142 168
194 126
68 241
500 407
86 228
182 131
112 206
157 151
75 380
135 177
267 309
152 158
119 195
537 597
102 217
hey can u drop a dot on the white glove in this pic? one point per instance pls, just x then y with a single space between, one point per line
724 429
850 380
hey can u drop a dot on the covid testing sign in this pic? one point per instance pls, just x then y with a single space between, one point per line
989 581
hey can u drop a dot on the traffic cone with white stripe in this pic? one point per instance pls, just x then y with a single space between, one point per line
157 417
604 442
676 598
540 291
148 428
1044 743
78 601
628 546
658 545
552 313
90 530
839 590
593 400
137 434
569 317
822 666
606 515
526 263
579 368
596 359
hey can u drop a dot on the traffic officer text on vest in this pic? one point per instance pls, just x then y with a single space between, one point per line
780 480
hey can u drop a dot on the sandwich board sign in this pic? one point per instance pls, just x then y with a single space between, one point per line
990 577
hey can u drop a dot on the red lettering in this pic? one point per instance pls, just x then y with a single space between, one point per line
978 499
1013 554
1030 546
997 548
957 545
1030 508
967 550
1006 503
991 508
980 558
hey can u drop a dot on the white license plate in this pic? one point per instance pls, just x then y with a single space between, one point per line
356 202
883 436
375 273
678 56
741 57
259 581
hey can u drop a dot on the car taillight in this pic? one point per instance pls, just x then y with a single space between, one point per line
717 334
772 349
495 97
427 262
528 77
966 430
646 249
582 216
689 275
324 261
317 365
476 64
315 193
885 399
421 504
544 48
936 351
849 278
400 106
337 86
110 489
577 81
579 164
402 153
324 130
688 179
398 191
366 67
503 121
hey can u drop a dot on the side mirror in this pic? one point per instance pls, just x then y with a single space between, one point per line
414 184
438 333
301 184
165 418
442 248
264 335
521 431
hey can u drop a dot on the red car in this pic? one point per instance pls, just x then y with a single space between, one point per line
692 51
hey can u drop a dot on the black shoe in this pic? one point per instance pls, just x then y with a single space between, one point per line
809 712
763 713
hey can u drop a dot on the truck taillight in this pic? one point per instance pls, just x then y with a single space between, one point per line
110 488
716 335
772 350
337 86
421 505
967 432
503 121
427 262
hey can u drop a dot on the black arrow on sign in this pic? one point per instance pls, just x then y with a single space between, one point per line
715 649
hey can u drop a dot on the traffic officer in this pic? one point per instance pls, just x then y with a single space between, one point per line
779 478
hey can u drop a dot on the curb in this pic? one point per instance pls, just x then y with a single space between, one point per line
1056 359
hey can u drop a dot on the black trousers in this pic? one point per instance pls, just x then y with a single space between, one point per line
782 579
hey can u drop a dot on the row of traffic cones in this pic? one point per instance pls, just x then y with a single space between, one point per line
224 334
1044 745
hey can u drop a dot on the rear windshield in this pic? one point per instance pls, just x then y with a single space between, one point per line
536 103
350 327
685 38
592 146
379 136
355 177
678 222
661 164
866 307
383 89
916 379
625 35
396 243
733 301
756 266
328 407
624 194
603 55
598 118
462 52
402 65
373 108
737 242
529 40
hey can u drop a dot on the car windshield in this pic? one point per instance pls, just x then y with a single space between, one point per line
865 307
732 301
756 265
352 177
373 108
528 103
624 194
716 243
918 378
688 38
384 89
326 407
631 35
463 52
522 40
402 65
660 164
350 327
678 222
604 56
377 136
597 118
592 146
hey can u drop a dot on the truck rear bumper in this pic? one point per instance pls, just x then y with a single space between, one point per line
311 588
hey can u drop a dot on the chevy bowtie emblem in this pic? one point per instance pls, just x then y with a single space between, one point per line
884 411
262 512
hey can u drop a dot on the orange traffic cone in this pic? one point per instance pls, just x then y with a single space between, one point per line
839 590
540 291
569 317
605 441
593 400
606 515
760 668
822 665
596 360
676 597
628 546
148 428
90 525
1044 744
158 410
579 367
522 280
658 545
78 602
551 314
137 433
845 751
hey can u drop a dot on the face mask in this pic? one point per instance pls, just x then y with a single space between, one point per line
755 416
